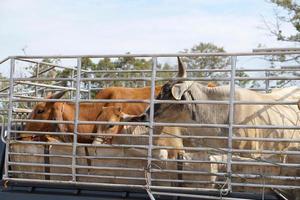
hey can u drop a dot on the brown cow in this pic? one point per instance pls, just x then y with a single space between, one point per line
88 111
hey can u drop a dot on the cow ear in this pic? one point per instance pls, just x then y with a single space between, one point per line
126 117
58 115
57 95
132 118
180 88
299 104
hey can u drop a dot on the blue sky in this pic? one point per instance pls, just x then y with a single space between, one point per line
137 26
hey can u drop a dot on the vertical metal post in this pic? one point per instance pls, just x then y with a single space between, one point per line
37 71
77 97
10 113
72 82
267 82
151 131
231 120
89 85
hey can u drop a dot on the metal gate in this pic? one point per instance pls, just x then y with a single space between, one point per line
132 161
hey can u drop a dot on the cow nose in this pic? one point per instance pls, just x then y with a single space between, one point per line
144 117
141 118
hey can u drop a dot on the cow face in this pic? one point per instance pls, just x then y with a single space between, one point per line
43 111
110 114
172 90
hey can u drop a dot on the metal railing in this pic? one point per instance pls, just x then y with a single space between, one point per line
75 171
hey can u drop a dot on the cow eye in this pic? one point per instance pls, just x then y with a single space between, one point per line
39 111
110 126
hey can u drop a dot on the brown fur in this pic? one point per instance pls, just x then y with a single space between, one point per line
88 111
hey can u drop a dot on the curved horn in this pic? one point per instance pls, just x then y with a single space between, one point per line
58 95
181 69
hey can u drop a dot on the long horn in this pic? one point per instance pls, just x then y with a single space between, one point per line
58 95
181 69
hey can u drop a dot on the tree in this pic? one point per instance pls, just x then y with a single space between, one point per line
292 17
211 62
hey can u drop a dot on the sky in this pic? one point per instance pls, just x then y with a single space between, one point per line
44 27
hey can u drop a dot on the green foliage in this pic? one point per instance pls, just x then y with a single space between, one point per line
293 17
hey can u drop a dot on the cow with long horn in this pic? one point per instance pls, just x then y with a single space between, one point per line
278 115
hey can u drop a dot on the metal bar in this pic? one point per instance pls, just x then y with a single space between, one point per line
41 72
37 76
115 79
44 79
43 100
162 124
10 114
275 49
267 82
231 120
46 63
77 97
48 86
163 55
197 196
196 70
288 102
151 118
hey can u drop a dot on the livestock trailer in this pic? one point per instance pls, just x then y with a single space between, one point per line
253 154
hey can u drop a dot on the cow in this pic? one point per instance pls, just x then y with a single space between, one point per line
116 114
63 111
280 115
244 114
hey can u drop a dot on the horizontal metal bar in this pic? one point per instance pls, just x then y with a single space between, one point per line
43 100
41 132
46 63
161 124
197 196
267 78
288 102
49 86
265 185
39 155
38 173
276 49
40 143
44 79
195 70
234 162
161 55
294 102
223 150
191 79
114 101
116 79
119 186
264 126
26 97
43 121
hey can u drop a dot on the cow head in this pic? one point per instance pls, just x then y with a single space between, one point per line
111 114
172 90
43 111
